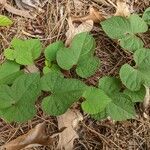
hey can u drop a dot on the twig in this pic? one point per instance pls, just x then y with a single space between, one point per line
102 137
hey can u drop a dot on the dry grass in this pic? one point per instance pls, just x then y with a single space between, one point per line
95 135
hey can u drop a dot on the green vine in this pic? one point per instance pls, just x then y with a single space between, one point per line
114 97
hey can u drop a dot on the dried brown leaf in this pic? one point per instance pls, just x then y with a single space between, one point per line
86 26
147 98
30 5
123 9
94 15
15 11
78 5
31 69
35 136
69 120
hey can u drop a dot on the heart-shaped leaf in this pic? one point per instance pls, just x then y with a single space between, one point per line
109 84
121 108
142 58
146 15
131 77
136 96
124 29
17 103
52 49
116 27
131 43
9 71
96 101
87 65
64 93
79 54
137 24
24 52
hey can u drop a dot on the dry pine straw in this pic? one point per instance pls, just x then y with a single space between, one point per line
96 135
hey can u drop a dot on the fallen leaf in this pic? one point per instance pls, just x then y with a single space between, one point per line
31 69
27 4
78 5
86 26
93 15
30 5
123 9
146 102
69 120
15 11
37 135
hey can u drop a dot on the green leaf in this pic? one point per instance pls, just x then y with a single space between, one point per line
146 15
145 74
138 25
52 49
136 96
64 92
24 52
131 77
131 43
5 21
100 116
142 58
9 54
87 65
66 58
9 71
96 101
54 67
17 103
109 84
121 108
116 27
79 54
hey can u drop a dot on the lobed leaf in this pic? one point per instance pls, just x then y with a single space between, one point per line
137 24
108 101
142 58
131 43
121 108
87 65
131 77
109 84
17 103
64 92
146 16
9 71
116 27
79 54
51 50
24 52
136 96
96 101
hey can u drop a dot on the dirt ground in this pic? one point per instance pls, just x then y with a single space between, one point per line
52 25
